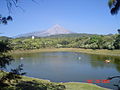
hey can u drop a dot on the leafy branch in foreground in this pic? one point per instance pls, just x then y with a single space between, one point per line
15 75
4 20
9 5
114 5
5 59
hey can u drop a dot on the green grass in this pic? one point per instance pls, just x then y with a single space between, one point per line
29 83
89 51
82 86
69 85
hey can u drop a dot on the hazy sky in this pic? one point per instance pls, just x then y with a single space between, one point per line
83 16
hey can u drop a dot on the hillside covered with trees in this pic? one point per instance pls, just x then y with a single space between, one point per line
110 42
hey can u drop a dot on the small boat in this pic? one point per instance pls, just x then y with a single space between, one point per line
107 61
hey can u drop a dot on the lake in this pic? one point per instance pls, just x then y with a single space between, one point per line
69 67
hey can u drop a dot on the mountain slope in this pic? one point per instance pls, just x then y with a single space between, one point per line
55 30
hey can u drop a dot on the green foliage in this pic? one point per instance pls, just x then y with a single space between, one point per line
5 46
15 75
117 42
114 6
34 85
89 42
4 38
6 59
4 20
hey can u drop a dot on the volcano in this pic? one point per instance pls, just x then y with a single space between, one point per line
54 30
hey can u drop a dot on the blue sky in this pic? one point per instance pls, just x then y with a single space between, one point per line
82 16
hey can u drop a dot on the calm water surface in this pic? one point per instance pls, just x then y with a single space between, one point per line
69 66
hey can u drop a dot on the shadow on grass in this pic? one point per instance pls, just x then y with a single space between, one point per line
34 85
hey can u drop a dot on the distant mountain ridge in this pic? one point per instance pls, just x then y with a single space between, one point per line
55 30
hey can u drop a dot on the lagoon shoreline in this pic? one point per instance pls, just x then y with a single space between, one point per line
68 85
87 51
72 85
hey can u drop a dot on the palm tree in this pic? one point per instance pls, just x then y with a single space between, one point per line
114 5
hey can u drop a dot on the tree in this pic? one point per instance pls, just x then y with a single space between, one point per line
114 6
5 60
117 42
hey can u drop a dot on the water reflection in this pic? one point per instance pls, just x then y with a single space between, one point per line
99 61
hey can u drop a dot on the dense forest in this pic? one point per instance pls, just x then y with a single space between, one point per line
110 42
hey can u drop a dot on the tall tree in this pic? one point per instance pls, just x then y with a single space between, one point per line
5 59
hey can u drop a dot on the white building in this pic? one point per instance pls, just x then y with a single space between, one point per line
33 37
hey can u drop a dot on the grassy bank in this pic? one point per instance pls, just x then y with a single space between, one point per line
28 83
89 51
68 85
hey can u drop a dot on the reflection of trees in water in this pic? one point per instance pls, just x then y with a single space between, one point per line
117 63
33 58
99 61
